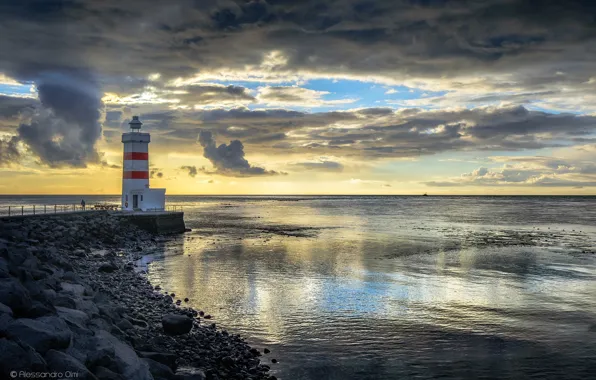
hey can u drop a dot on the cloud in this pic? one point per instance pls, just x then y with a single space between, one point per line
192 170
64 129
294 95
229 159
321 164
156 173
9 152
536 171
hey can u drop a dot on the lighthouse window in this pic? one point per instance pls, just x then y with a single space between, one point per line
126 197
141 198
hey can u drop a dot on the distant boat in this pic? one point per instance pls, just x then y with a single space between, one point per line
425 195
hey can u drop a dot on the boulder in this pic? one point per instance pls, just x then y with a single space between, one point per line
159 370
126 360
103 373
18 357
42 334
124 324
108 267
39 309
60 362
14 295
174 324
75 289
161 357
73 317
5 309
4 271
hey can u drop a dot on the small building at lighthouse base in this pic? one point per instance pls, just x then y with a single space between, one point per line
146 199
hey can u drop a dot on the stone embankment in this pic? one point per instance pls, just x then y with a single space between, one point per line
70 300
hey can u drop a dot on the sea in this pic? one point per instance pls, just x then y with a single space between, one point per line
388 287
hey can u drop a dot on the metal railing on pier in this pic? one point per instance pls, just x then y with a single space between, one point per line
17 210
172 208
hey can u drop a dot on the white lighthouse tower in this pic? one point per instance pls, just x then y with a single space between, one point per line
136 194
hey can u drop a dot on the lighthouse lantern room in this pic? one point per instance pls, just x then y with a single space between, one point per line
136 193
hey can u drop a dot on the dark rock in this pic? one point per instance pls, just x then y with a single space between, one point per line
42 334
161 357
15 296
5 309
102 373
73 317
201 313
138 322
158 369
173 295
125 359
60 362
227 361
273 361
18 357
208 316
108 267
266 350
125 324
174 324
186 300
65 301
74 289
39 309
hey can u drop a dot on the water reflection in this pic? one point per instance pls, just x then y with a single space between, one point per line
374 299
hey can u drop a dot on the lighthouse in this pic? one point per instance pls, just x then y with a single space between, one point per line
136 193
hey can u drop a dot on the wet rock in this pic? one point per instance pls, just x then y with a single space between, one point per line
42 334
60 362
187 373
174 324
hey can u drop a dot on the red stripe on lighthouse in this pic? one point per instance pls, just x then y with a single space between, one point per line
136 175
136 156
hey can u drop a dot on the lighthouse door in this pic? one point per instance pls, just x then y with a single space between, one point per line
135 201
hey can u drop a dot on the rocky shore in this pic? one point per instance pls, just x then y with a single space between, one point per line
71 302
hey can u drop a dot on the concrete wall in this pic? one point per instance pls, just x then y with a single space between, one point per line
162 223
155 222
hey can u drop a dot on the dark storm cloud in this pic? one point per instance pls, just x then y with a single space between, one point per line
402 133
229 159
430 39
64 130
516 46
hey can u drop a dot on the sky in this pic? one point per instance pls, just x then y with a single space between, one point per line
301 97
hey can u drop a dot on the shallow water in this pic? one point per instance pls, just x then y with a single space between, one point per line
396 287
393 287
